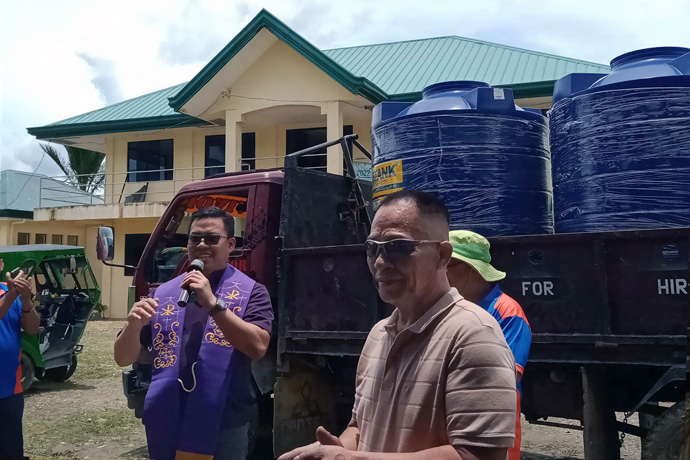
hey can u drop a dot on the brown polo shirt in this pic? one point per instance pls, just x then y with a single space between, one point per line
447 379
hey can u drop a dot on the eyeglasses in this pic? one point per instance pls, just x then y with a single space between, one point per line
394 249
210 239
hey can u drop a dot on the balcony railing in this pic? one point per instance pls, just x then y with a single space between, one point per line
141 186
118 187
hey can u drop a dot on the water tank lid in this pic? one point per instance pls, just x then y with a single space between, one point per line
649 56
453 96
459 87
666 66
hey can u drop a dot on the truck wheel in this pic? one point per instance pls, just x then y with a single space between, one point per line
28 371
666 436
60 374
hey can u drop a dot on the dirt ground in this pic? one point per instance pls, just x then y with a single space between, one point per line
87 416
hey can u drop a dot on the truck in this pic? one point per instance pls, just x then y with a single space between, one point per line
66 294
607 310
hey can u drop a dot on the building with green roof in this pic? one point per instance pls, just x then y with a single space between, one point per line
267 93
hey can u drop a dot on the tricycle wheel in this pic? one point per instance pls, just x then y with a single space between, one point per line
28 371
60 374
665 438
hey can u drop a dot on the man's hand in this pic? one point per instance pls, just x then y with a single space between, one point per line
141 313
325 441
326 438
197 282
325 453
22 287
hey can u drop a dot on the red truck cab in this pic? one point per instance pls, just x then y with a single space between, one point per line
253 199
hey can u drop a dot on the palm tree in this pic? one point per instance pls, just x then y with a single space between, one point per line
83 168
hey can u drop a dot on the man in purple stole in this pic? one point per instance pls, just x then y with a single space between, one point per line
200 396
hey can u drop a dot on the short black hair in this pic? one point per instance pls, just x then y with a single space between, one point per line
425 202
213 212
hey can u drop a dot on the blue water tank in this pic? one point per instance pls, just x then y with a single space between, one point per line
471 146
621 144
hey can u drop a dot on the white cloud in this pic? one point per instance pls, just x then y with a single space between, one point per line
137 47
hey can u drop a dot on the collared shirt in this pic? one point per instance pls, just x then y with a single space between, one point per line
513 322
449 378
10 348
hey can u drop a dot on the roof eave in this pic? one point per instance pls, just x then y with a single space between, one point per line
16 213
356 85
531 89
115 126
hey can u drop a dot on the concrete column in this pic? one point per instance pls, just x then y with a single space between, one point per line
233 141
183 162
109 197
334 130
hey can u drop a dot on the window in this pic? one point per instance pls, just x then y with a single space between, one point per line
150 161
73 240
215 153
23 238
300 139
248 151
135 243
56 239
41 238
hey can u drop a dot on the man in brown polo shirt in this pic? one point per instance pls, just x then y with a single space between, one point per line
436 380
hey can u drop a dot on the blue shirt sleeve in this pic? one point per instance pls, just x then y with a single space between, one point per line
518 336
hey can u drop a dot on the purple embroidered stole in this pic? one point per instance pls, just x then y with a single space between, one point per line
193 429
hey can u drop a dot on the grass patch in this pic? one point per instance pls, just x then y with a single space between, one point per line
64 436
96 361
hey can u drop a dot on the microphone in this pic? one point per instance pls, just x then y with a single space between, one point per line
196 264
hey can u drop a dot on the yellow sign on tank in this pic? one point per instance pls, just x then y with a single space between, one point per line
388 173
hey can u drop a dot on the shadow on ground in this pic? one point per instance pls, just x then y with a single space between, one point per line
531 456
139 452
51 387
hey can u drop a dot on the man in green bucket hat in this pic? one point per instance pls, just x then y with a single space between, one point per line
471 273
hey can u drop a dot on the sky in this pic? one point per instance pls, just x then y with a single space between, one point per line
63 58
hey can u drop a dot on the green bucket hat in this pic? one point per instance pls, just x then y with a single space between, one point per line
473 249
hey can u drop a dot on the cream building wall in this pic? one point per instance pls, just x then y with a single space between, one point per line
7 233
33 228
114 284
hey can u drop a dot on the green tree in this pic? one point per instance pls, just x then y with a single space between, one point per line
83 168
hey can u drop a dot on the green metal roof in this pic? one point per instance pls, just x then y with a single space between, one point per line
353 83
390 71
144 106
409 66
150 111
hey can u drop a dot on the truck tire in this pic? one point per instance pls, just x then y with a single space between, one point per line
62 373
666 436
28 371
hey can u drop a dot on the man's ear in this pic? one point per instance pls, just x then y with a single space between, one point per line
445 253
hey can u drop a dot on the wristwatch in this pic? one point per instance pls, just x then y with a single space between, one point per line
218 307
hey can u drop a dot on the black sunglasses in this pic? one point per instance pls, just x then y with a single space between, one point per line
394 249
210 239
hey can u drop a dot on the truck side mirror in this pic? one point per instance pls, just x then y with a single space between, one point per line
105 249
